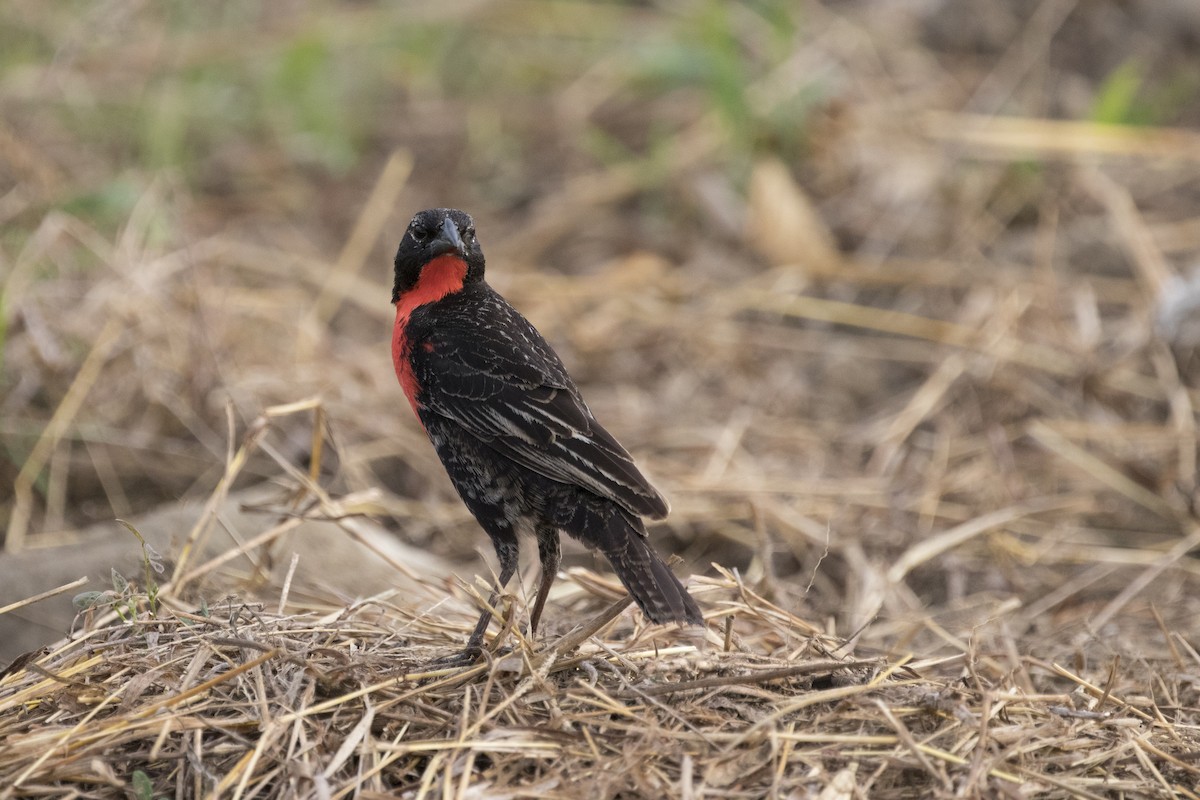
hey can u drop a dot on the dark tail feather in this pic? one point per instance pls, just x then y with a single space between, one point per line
654 587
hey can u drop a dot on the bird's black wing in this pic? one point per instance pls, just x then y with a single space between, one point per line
479 363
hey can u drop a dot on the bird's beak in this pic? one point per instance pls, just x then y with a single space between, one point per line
447 241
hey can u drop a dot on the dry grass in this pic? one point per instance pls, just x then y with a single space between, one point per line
926 375
245 702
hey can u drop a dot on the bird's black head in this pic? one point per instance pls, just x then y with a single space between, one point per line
433 233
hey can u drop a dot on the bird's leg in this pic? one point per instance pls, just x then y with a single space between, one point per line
475 643
550 555
507 552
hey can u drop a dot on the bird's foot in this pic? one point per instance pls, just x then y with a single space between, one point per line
470 656
466 658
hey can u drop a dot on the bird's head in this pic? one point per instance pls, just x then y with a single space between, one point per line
437 239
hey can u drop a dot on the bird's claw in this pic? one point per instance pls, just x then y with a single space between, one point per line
466 658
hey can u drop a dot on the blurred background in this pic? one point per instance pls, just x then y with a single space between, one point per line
894 300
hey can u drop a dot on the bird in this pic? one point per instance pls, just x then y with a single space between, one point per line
524 452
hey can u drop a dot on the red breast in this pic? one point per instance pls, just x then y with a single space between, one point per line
440 277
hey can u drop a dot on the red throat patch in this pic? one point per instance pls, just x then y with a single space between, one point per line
440 277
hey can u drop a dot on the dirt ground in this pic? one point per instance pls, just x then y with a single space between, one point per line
899 304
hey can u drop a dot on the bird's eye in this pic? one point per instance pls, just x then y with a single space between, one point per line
469 235
419 233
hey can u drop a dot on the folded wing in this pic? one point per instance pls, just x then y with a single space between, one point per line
495 376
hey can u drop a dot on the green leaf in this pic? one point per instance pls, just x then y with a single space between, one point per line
143 787
86 600
1116 99
120 585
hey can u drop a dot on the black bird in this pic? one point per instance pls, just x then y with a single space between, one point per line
521 447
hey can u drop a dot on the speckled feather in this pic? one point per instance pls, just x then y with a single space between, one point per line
518 442
487 368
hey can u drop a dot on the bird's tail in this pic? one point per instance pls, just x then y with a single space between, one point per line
653 585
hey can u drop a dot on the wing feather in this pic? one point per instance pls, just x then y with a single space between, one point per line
486 368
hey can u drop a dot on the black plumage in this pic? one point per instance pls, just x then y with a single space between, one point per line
518 442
